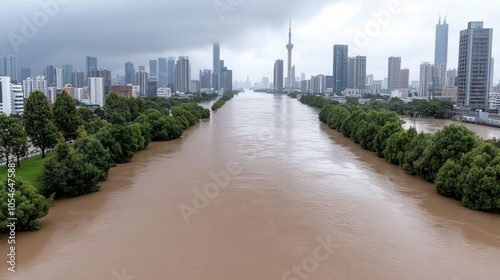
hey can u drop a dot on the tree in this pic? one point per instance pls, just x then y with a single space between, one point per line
69 174
19 141
118 104
95 153
66 116
30 205
380 142
38 122
397 144
451 142
415 151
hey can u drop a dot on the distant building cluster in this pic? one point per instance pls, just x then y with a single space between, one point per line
469 86
165 78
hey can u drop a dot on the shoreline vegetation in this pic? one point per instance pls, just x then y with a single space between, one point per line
225 97
461 165
86 145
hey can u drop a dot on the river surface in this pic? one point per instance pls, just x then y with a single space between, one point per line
288 198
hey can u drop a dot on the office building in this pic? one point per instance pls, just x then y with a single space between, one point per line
91 64
25 73
474 67
171 79
278 76
340 68
206 78
78 79
129 73
216 69
162 72
405 78
153 70
441 47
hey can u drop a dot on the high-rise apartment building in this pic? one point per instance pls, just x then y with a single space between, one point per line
182 74
474 66
10 68
405 78
394 74
340 68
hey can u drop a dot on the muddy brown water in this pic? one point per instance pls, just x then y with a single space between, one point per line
288 198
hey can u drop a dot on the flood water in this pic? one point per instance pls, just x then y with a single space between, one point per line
288 198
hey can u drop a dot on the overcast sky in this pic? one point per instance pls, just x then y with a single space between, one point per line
252 33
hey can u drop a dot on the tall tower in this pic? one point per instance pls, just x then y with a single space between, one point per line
216 67
289 47
441 48
474 66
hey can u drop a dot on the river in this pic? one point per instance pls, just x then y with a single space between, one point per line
287 198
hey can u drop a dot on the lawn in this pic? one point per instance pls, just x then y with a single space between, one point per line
30 169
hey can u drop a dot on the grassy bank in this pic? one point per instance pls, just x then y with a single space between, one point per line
30 169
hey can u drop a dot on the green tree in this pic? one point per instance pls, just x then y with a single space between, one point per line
13 141
66 116
415 151
69 174
38 122
397 145
381 139
451 142
120 105
30 205
95 153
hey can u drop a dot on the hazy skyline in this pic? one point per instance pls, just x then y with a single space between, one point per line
252 34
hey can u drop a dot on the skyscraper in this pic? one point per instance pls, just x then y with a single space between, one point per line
153 70
129 73
91 64
405 78
182 74
50 75
226 79
426 82
59 77
394 74
78 79
11 68
340 68
290 79
67 73
216 67
171 80
278 75
359 72
96 87
206 78
441 48
162 72
474 59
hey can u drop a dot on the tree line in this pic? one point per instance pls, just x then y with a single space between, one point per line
460 164
225 97
439 109
101 139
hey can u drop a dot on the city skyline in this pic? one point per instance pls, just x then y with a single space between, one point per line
261 43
